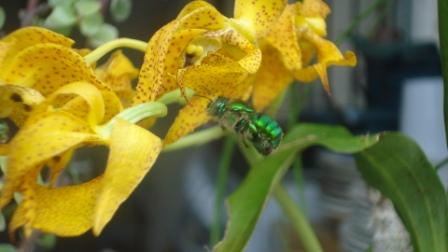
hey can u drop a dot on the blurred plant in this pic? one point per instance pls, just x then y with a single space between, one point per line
63 16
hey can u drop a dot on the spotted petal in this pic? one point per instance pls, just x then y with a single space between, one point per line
118 72
216 76
327 54
283 36
191 116
37 142
72 210
270 80
162 60
313 8
90 94
65 211
133 151
200 15
16 102
258 15
234 43
26 37
46 67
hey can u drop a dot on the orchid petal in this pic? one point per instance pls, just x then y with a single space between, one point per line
258 14
46 67
283 36
4 149
36 142
313 8
118 72
271 79
133 151
90 94
191 116
327 54
216 76
17 102
64 211
200 15
162 60
26 37
252 58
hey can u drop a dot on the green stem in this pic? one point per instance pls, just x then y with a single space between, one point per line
443 37
292 211
198 138
223 169
441 164
297 100
176 96
134 115
105 48
299 221
297 170
358 19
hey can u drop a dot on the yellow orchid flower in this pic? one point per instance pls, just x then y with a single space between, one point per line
219 56
207 52
34 62
49 137
291 43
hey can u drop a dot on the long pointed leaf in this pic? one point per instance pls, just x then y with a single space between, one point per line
246 204
399 169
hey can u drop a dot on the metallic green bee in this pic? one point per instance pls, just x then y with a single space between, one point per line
259 129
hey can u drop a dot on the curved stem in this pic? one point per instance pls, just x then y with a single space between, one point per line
134 115
176 96
105 48
441 164
299 221
198 138
223 170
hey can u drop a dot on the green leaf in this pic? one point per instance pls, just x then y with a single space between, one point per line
398 168
87 7
2 17
2 222
67 30
4 247
61 16
335 138
106 33
47 241
91 24
120 9
443 37
56 3
246 203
